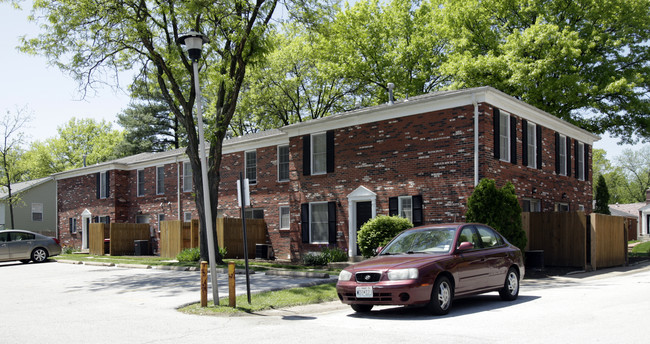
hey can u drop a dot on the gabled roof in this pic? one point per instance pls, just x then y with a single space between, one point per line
23 186
626 210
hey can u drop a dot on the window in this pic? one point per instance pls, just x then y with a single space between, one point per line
409 207
283 163
561 206
318 153
73 225
102 185
530 205
504 136
187 216
103 219
531 146
488 237
161 218
318 223
580 160
160 180
20 236
140 183
562 156
468 234
252 213
251 167
187 177
37 212
284 217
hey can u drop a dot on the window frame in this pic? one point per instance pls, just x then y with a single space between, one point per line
160 180
37 212
400 207
531 202
250 213
248 168
562 155
562 207
282 163
531 144
185 216
103 185
322 155
72 225
504 141
140 180
580 161
281 217
312 223
188 182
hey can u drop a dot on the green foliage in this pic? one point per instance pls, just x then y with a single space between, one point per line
379 231
326 255
627 177
602 197
223 251
189 255
498 208
642 249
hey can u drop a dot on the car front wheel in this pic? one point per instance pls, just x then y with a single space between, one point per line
39 255
441 296
361 308
510 289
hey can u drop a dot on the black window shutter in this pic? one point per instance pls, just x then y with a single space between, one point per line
99 185
107 185
70 225
331 222
306 155
96 219
513 140
524 142
330 151
568 156
586 161
418 218
557 153
393 206
575 151
497 134
304 222
108 219
538 136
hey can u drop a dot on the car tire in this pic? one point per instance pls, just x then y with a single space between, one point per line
361 308
25 261
510 289
442 296
39 255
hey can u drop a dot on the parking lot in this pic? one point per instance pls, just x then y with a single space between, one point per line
61 303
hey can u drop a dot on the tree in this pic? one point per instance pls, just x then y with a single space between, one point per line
12 125
635 166
91 39
602 196
498 208
585 61
148 124
78 142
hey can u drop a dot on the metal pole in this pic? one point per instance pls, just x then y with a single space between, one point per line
243 220
206 191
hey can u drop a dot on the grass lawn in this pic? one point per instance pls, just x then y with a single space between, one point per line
641 250
268 300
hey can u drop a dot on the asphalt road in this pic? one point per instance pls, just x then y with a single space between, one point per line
61 303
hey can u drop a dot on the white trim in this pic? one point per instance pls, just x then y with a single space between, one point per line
163 180
278 164
250 180
311 153
532 158
280 217
137 181
311 220
360 194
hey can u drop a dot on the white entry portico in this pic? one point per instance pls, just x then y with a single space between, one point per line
357 197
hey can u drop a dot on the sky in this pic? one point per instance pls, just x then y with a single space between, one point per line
52 97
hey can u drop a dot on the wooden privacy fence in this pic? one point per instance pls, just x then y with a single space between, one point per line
122 237
175 236
231 236
575 239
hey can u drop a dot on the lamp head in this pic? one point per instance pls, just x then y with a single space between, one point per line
193 41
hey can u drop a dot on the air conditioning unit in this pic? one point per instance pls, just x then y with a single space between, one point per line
262 251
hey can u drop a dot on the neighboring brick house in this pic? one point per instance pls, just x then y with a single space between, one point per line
316 182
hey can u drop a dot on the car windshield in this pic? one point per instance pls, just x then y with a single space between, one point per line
428 240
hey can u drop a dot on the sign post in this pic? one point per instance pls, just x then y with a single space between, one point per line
243 194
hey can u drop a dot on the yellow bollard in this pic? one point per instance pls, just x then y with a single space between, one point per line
204 284
231 285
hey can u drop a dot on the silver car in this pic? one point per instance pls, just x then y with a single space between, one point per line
25 246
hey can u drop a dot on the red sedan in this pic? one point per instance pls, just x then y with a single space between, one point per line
433 265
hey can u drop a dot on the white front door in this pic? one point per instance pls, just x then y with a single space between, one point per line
85 228
362 205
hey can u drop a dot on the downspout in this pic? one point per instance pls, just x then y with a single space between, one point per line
476 143
178 189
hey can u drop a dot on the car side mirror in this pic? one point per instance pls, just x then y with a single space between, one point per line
379 249
465 245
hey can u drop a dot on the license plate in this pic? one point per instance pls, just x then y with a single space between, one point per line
364 292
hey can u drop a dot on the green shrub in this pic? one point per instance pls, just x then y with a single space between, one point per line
189 255
325 256
499 209
223 252
314 259
69 250
379 231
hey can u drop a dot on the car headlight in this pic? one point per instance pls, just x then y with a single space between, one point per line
345 275
403 274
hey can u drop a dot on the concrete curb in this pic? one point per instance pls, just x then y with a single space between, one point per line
74 262
99 264
133 266
289 273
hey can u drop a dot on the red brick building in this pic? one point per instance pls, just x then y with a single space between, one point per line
315 182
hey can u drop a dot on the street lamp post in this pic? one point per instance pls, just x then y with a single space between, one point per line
194 41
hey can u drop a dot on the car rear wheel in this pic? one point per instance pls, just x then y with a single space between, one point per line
441 296
510 289
361 308
39 255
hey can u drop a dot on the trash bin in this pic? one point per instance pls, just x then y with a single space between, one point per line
262 251
141 247
535 259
